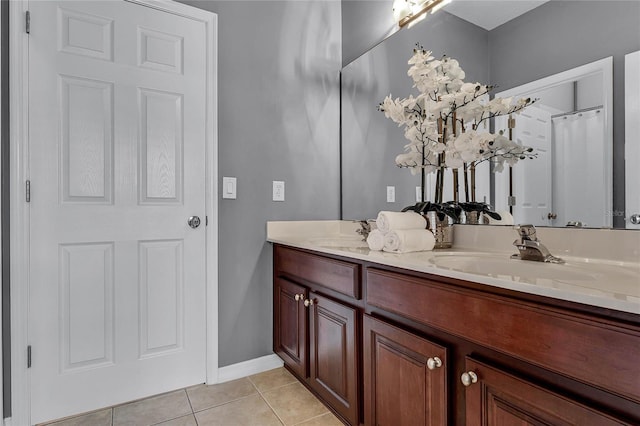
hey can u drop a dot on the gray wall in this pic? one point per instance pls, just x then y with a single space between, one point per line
370 141
278 104
365 23
4 193
560 35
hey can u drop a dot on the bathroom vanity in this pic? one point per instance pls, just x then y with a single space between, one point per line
424 338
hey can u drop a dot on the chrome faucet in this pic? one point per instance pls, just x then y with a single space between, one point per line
530 248
365 228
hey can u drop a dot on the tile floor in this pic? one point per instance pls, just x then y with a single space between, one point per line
274 397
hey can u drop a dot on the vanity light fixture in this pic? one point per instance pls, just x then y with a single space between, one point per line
406 12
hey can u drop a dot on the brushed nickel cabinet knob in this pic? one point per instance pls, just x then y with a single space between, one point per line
433 363
468 378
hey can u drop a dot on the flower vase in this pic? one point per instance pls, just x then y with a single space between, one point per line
442 229
470 218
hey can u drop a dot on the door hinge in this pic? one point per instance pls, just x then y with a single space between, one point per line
206 221
29 356
27 22
28 191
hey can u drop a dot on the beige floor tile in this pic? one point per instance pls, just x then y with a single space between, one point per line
203 396
97 418
249 411
152 410
325 420
189 420
294 403
272 379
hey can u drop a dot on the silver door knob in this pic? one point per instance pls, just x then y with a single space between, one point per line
308 302
469 378
194 222
298 297
433 363
635 219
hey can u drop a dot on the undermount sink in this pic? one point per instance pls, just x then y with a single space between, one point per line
339 241
494 266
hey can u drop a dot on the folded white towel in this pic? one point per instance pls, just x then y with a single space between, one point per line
375 240
409 240
505 218
393 221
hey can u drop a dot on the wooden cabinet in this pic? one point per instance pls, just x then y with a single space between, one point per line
405 377
384 346
290 321
497 398
315 335
333 361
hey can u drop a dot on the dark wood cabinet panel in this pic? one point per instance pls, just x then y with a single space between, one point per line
564 342
537 361
333 274
333 356
501 399
290 324
399 387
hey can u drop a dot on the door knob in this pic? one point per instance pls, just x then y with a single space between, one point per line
635 219
194 222
552 216
308 302
298 297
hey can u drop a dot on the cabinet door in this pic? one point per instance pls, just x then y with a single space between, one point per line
333 355
405 380
498 398
290 325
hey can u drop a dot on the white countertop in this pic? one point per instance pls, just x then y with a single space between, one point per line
607 283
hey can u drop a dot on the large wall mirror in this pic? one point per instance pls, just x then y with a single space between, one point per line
555 44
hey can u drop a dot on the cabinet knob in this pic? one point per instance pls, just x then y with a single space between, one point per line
433 363
469 378
308 302
298 297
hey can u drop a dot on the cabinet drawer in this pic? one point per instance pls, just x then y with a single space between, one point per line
334 274
506 399
599 352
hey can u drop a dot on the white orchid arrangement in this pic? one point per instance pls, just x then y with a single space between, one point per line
443 123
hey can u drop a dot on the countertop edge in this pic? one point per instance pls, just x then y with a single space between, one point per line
394 260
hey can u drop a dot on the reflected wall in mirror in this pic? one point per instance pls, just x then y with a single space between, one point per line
552 38
632 138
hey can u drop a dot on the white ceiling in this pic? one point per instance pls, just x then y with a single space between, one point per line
489 14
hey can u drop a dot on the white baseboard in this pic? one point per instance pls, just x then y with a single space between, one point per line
247 368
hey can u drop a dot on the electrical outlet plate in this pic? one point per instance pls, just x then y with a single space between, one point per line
278 190
391 194
229 188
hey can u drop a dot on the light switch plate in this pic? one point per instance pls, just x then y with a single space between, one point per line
391 194
229 187
278 190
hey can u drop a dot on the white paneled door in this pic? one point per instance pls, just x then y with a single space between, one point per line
117 167
534 196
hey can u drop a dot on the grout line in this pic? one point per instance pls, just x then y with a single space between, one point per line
314 417
272 409
225 403
189 400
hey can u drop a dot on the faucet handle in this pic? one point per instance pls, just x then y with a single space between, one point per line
526 232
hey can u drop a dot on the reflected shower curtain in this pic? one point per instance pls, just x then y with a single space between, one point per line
579 181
